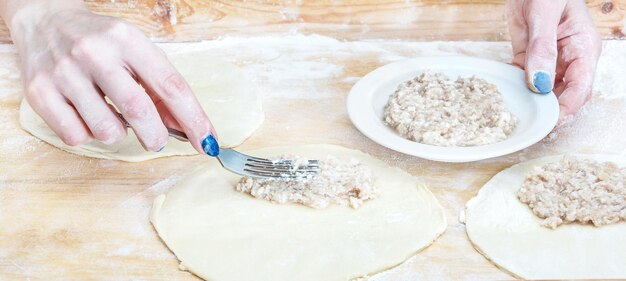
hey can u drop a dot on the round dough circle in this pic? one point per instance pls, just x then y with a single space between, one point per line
506 232
221 234
223 90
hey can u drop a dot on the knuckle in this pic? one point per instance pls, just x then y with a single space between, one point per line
74 138
107 71
64 66
108 131
135 107
120 29
36 86
544 48
591 36
172 84
586 93
85 47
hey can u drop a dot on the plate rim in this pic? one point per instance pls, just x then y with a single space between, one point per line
355 103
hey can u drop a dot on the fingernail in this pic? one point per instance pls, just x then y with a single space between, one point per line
210 146
542 82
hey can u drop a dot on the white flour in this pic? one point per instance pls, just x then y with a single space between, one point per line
313 73
136 210
609 80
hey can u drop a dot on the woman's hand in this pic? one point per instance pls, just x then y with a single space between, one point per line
556 42
73 58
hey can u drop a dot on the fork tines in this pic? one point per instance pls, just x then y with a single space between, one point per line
281 168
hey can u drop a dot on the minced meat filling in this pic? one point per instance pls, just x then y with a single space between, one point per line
344 183
576 190
432 109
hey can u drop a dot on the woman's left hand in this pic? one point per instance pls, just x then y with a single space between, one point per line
557 44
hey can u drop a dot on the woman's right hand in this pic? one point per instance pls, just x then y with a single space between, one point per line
73 58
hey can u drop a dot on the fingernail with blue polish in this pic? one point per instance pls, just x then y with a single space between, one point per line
210 146
542 82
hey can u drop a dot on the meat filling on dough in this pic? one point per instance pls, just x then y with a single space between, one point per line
576 190
344 183
432 109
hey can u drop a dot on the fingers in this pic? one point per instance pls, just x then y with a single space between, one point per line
580 51
61 117
135 105
161 79
541 54
166 116
93 109
578 82
518 31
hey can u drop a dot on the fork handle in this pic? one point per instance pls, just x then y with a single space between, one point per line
177 134
181 136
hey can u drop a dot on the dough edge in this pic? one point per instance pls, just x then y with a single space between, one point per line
85 150
160 200
33 124
481 195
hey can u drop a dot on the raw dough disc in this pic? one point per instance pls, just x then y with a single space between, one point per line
221 234
506 231
228 97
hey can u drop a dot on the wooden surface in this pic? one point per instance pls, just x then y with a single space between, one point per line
422 20
66 217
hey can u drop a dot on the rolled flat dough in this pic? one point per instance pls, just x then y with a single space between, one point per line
506 232
221 234
228 97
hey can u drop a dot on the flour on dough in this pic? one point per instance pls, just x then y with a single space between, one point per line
229 98
432 109
507 232
222 234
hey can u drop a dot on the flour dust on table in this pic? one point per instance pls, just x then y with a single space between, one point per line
222 234
507 232
228 97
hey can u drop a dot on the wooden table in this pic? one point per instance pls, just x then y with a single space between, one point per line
68 217
423 20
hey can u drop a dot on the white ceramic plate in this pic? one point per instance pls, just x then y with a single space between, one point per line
537 114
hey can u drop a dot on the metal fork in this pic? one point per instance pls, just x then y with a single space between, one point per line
251 166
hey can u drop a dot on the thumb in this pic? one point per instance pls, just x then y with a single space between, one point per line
541 54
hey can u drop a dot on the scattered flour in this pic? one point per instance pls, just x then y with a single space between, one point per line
329 68
610 73
302 68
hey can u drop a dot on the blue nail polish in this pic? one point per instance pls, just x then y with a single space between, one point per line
160 149
542 82
210 146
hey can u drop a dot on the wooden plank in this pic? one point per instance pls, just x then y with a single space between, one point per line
66 217
419 20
